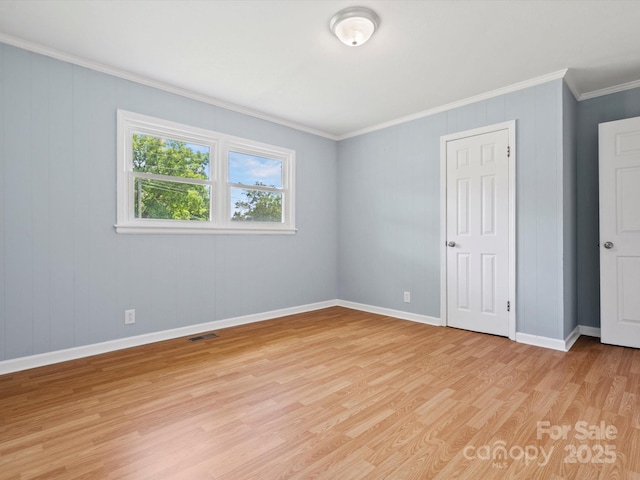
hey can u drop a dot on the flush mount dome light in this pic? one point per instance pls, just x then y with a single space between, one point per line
354 25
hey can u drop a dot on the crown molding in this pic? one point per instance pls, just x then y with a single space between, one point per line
83 62
609 90
570 82
460 103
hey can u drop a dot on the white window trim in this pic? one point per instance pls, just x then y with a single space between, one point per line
220 145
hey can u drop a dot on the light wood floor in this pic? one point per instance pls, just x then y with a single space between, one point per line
333 394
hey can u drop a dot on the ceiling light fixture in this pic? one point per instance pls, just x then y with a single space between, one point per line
354 25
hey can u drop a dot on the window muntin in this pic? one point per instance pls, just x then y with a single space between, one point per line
173 178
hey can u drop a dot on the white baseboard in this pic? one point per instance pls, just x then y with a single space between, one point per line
39 360
538 341
562 345
414 317
589 331
571 338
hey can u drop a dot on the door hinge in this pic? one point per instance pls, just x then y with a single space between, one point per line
508 306
508 151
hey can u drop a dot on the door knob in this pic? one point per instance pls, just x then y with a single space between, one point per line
608 245
451 244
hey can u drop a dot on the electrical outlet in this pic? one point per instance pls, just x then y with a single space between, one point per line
407 297
129 317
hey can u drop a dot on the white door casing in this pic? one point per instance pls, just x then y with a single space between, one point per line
478 229
619 166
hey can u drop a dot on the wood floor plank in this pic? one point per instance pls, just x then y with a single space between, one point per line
335 393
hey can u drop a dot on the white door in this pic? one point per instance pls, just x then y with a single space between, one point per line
620 232
477 233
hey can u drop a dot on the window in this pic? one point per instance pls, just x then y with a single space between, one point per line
173 178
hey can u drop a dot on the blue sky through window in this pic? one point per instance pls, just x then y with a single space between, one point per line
250 169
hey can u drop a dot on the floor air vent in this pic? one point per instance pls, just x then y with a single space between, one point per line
203 337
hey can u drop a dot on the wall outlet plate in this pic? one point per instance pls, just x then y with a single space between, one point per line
129 317
407 297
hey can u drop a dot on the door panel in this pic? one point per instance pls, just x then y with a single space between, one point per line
488 204
620 232
488 283
462 291
463 206
628 295
628 200
477 197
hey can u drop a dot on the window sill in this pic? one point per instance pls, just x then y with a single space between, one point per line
205 230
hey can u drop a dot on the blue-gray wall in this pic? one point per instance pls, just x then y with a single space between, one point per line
591 113
389 208
66 277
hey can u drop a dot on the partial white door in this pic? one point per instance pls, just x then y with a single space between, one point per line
477 233
620 232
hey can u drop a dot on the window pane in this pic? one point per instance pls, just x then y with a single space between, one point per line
171 200
164 156
255 205
252 170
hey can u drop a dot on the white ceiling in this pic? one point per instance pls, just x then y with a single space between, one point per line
278 58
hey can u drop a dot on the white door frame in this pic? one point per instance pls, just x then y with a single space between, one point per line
511 127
